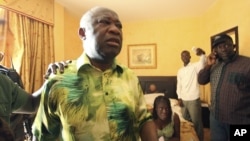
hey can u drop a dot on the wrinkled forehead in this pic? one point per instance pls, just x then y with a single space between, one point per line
98 13
104 12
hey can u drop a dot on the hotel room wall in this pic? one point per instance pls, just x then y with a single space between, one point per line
73 43
59 32
171 36
67 42
227 14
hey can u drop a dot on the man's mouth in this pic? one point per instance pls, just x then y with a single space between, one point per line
114 42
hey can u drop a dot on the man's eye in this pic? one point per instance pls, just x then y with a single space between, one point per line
119 25
109 22
104 21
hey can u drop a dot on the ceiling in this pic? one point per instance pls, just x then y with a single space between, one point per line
134 10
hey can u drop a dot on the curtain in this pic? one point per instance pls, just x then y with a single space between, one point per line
29 44
3 32
205 93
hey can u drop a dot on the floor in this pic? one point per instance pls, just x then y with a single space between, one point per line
206 134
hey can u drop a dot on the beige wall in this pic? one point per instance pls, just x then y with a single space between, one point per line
67 43
171 36
59 32
73 46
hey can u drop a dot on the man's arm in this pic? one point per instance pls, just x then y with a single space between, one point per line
178 90
32 103
203 59
204 74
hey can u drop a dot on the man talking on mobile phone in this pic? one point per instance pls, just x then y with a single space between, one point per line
229 77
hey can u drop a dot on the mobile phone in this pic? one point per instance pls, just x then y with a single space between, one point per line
215 53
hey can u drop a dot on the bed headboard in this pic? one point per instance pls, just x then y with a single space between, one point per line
164 84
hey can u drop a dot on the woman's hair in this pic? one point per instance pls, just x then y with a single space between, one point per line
159 99
6 133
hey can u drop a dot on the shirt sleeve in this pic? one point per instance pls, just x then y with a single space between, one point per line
204 76
201 63
18 96
46 125
178 85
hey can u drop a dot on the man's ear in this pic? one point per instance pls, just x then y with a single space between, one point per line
81 33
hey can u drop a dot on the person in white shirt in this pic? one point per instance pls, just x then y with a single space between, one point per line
188 90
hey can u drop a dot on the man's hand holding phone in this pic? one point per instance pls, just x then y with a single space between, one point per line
212 58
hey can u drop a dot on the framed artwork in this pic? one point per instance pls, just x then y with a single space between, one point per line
233 33
142 56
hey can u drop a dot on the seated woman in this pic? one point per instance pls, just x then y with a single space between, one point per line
166 122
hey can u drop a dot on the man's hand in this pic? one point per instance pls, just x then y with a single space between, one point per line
212 58
53 67
180 102
199 51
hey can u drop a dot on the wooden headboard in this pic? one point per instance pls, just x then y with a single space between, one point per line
164 84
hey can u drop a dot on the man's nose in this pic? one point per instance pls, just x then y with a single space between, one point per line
115 29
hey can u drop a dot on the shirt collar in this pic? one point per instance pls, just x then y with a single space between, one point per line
83 61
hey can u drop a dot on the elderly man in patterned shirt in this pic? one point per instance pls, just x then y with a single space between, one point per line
95 99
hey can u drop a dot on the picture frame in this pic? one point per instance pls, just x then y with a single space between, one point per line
142 56
233 33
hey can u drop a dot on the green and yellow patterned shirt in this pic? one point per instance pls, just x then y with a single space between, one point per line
86 104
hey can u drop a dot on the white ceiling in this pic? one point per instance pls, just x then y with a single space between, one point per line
132 10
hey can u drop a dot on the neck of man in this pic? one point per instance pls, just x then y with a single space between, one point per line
186 63
102 65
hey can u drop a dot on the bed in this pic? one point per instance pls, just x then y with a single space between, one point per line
166 86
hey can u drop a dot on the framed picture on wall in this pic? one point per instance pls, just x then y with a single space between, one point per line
142 56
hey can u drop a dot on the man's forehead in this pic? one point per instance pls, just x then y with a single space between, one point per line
226 41
106 14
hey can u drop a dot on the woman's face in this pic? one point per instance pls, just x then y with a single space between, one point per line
162 110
